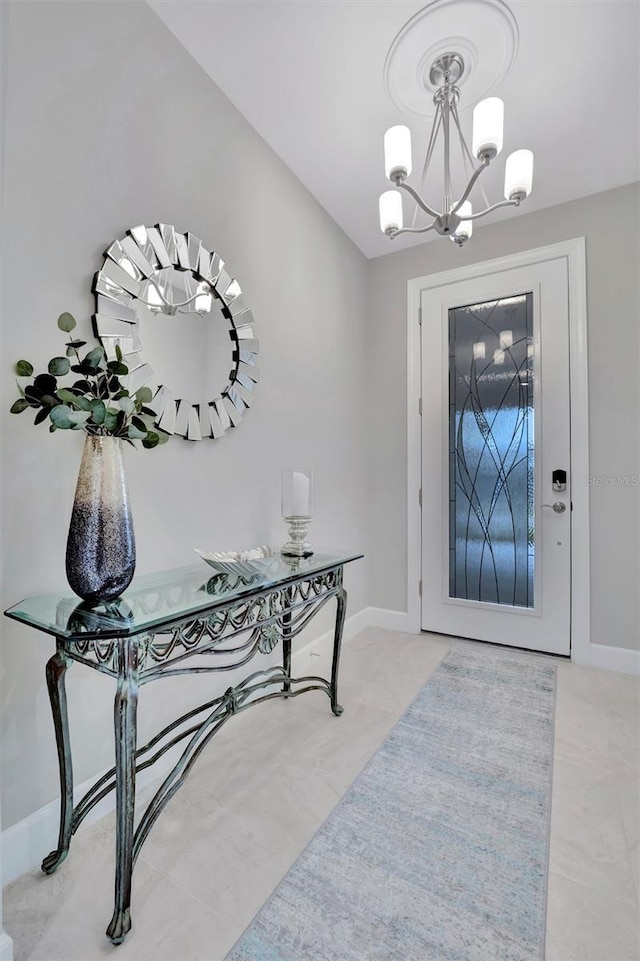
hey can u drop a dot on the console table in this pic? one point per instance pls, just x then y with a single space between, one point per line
152 632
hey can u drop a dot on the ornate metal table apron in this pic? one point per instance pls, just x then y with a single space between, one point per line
233 633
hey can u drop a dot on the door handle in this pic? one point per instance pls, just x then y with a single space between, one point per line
559 507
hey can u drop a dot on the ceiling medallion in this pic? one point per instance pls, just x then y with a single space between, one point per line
488 46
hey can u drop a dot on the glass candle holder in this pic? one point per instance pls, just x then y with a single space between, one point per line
297 510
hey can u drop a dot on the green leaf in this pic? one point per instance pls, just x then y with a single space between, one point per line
118 352
45 384
24 368
75 400
151 440
66 322
59 366
127 405
144 395
68 396
95 357
85 369
110 420
76 343
19 405
98 412
20 388
163 437
52 428
61 416
115 367
139 424
78 418
136 433
41 415
149 412
49 400
32 396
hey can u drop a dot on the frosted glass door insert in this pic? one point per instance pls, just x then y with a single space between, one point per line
491 452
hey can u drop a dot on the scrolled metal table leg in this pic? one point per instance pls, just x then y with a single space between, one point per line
286 651
55 672
125 730
341 599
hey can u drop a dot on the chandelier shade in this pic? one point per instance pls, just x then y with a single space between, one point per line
465 227
518 175
397 152
488 127
454 216
390 211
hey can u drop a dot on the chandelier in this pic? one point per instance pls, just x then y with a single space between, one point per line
161 299
456 217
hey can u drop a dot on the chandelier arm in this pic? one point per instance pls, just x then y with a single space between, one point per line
169 303
470 185
418 199
435 128
413 230
488 210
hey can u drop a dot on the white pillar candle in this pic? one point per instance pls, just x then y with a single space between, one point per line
296 493
300 494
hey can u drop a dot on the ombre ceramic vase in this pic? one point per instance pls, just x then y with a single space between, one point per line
101 550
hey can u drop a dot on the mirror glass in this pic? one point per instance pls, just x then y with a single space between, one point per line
190 352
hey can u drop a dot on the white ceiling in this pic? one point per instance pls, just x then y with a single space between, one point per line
307 75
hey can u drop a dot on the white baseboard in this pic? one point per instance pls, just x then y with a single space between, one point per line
26 843
322 645
6 946
305 658
619 659
389 620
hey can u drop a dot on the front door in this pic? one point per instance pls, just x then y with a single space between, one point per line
496 503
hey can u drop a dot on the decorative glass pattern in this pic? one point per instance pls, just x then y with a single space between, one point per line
491 452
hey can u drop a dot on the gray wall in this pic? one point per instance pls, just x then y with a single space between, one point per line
110 123
610 222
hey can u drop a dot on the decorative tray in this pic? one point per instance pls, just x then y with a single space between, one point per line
245 564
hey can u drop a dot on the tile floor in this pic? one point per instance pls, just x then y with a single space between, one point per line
268 781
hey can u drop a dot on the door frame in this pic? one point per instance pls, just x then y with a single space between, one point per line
573 251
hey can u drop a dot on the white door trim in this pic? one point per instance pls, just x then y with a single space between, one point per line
574 253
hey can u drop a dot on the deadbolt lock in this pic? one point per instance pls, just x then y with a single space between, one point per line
559 480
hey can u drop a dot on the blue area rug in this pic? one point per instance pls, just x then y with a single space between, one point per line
438 851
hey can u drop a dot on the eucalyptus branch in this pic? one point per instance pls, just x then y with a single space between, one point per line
99 403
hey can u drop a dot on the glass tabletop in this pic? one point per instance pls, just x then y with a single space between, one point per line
156 599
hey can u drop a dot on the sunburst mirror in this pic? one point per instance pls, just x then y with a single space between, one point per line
180 320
